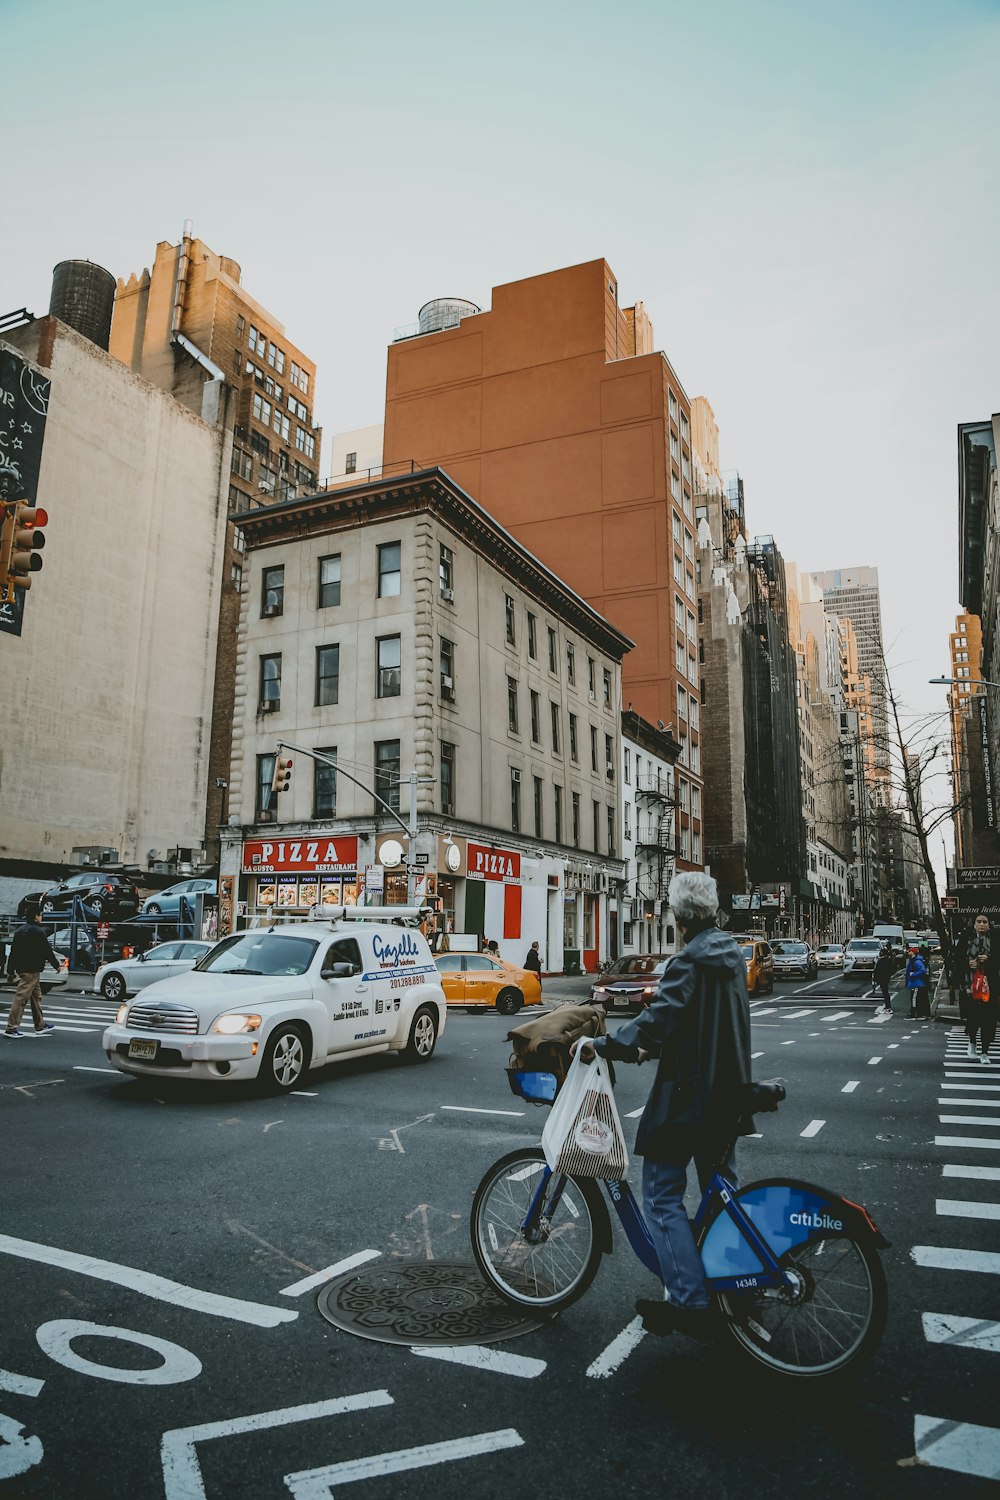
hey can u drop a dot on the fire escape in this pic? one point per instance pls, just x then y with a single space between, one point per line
655 836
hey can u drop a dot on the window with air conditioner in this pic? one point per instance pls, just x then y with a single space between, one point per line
447 665
446 573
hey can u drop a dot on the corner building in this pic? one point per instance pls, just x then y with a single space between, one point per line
396 627
554 411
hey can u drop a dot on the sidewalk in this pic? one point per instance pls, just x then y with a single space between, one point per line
942 1006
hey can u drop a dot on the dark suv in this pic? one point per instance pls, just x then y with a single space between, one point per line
112 897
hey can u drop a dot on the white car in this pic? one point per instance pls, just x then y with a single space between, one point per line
860 956
273 1002
830 955
116 980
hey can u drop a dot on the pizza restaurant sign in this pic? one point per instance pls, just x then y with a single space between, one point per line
485 863
322 856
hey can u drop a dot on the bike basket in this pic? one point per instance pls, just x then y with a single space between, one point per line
537 1088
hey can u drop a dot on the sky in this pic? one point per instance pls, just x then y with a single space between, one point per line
803 196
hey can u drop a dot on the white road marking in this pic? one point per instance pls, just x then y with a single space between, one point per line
850 1087
756 1054
891 1046
159 1287
966 1140
634 1114
469 1109
982 1174
961 1447
59 1026
936 1258
971 1074
977 1082
976 1103
307 1283
618 1351
477 1357
317 1484
768 1010
19 1385
840 1015
813 1128
873 1060
181 1471
966 1333
789 1044
962 1208
301 1094
56 1340
79 1068
969 1119
796 1015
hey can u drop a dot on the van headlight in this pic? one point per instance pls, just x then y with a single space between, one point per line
122 1013
233 1025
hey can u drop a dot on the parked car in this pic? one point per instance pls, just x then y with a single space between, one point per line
167 902
760 965
271 1003
793 957
630 982
114 898
126 975
830 955
476 980
860 956
931 939
126 940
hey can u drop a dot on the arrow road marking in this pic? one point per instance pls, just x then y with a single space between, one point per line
316 1484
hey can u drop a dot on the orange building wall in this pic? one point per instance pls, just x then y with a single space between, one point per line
537 410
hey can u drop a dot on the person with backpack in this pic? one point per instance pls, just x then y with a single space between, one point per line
980 998
916 983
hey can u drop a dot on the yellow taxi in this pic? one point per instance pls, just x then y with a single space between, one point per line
476 980
760 964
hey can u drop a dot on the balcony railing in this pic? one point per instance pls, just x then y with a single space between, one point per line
376 471
655 835
654 786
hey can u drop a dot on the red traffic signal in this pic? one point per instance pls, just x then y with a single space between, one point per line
281 780
27 540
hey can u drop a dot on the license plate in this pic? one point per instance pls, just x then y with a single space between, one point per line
621 1000
143 1050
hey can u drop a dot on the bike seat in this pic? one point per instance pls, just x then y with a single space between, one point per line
764 1098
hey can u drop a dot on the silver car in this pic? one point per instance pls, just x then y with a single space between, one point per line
127 975
830 955
860 956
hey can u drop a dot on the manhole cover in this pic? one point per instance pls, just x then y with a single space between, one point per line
421 1302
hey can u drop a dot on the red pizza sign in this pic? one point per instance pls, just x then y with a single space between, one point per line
323 856
492 864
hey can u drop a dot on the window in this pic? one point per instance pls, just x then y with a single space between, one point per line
446 570
327 675
329 581
537 798
696 757
609 756
261 409
267 479
628 766
387 773
515 799
574 747
694 712
570 663
552 648
447 777
325 786
554 715
351 464
280 424
628 819
242 464
508 610
595 808
532 637
607 688
280 362
512 704
557 804
305 442
536 724
272 591
271 354
241 326
260 444
611 831
257 341
389 660
389 570
447 664
236 576
270 683
593 748
265 775
239 500
682 701
575 820
294 373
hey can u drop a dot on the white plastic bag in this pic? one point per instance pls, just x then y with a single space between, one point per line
583 1135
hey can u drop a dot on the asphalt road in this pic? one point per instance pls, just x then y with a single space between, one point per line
190 1217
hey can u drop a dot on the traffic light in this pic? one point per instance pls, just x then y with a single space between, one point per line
282 778
434 903
21 541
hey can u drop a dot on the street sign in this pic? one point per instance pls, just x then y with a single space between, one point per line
979 875
103 930
948 903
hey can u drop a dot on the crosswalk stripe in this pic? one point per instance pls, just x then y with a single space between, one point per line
796 1015
984 1174
974 1083
978 1103
969 1120
840 1015
767 1011
966 1140
961 1447
943 1258
961 1208
967 1333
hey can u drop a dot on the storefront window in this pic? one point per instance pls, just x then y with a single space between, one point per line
569 922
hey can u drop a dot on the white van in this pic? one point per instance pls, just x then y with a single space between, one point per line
891 933
275 1001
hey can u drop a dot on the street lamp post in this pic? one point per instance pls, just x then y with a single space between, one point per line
962 682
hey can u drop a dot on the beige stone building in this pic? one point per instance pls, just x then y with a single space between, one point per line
397 627
107 693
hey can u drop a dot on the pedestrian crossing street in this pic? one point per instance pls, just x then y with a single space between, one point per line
84 1015
969 1102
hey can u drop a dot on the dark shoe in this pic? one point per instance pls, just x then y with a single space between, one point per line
41 1030
13 1031
666 1317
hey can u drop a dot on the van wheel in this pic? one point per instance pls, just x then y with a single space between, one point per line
423 1036
509 1002
285 1060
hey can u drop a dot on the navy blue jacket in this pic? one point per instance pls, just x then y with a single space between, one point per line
30 950
699 1027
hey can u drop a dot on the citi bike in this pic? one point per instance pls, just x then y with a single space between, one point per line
793 1269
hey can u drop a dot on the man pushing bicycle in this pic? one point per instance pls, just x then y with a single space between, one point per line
698 1029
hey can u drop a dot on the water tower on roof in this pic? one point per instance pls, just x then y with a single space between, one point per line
444 312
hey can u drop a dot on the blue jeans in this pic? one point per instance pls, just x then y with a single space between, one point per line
663 1186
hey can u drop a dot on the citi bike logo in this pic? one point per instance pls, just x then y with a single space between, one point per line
809 1219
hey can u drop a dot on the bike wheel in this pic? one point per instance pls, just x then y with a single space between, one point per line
833 1318
549 1267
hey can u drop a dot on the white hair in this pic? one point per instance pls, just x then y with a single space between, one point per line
693 897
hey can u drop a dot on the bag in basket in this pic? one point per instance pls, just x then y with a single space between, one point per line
583 1135
980 986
